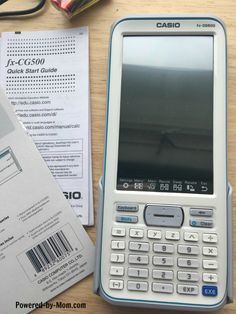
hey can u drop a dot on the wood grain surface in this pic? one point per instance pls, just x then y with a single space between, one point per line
99 19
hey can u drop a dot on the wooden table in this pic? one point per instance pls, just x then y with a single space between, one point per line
99 20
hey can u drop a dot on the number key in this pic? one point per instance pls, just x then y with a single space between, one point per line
139 246
188 262
138 272
163 261
163 274
188 249
163 248
187 276
137 286
138 259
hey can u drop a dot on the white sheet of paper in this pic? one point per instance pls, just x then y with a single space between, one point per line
44 249
45 75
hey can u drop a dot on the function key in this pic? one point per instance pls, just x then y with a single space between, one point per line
188 262
187 276
209 251
163 248
116 271
209 264
209 291
209 277
209 237
127 207
199 223
172 235
118 245
137 286
163 261
138 272
117 258
205 212
138 259
116 284
187 289
188 249
136 233
154 234
163 274
139 246
127 219
162 287
191 236
118 232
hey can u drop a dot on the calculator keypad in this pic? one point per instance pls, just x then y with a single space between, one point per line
163 261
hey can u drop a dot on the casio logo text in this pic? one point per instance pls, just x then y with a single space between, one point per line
168 25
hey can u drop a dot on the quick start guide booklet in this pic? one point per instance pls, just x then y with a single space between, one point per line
45 75
43 247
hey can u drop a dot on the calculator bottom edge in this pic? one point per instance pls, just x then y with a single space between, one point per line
160 305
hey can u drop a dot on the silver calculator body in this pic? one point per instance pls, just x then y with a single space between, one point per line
163 231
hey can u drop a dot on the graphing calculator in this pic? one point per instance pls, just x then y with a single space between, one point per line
163 230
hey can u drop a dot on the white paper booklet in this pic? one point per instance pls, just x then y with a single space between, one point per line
44 249
45 75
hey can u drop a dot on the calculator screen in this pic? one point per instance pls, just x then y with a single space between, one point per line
166 114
